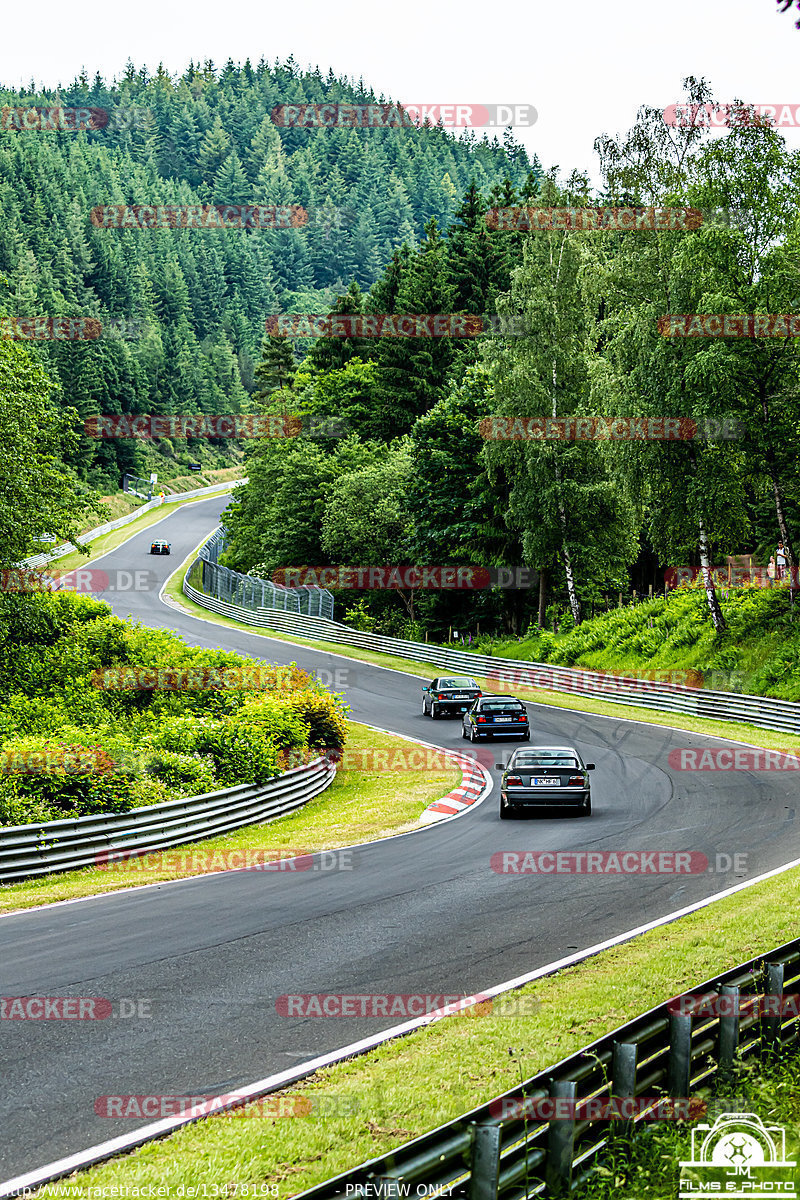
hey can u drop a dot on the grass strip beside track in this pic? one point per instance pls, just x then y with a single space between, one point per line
358 806
413 1084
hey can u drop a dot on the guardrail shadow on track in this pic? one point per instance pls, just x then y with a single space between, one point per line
670 1051
29 851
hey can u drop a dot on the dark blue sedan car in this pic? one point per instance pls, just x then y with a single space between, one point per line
496 716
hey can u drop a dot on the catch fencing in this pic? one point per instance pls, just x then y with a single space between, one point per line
253 595
667 1052
29 851
509 674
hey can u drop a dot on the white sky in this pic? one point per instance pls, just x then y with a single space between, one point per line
585 66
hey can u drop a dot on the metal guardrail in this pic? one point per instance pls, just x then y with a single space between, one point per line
510 674
486 1154
251 594
39 560
27 851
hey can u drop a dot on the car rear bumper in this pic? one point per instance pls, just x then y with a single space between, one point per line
547 797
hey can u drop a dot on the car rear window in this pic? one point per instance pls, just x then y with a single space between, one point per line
457 683
502 706
542 760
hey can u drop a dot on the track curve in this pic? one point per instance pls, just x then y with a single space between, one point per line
419 913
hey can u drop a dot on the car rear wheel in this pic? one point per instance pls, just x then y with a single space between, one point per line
464 733
424 708
434 711
507 811
586 811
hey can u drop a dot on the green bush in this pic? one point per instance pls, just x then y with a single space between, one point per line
277 718
241 754
139 746
62 779
182 774
324 716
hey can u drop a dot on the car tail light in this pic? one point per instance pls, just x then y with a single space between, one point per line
576 781
482 720
441 695
514 781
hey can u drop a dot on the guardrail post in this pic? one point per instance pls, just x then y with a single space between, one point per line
561 1138
384 1187
771 1023
623 1078
485 1167
728 1028
680 1055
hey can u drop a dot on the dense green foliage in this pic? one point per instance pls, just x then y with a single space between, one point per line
71 747
198 298
589 518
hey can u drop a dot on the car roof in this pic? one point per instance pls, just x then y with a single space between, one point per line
548 748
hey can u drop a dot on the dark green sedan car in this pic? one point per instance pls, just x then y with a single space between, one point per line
545 777
449 694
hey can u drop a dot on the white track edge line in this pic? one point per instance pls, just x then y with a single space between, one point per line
484 794
271 1083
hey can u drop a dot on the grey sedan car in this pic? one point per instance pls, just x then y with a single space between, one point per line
545 777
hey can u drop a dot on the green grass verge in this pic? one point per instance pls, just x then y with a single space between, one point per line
736 730
415 1083
648 1165
358 806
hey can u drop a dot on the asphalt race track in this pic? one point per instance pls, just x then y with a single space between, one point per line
424 913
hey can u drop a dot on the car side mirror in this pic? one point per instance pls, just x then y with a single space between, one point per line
426 689
590 766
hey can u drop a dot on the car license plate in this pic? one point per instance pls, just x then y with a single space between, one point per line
461 696
547 782
504 718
